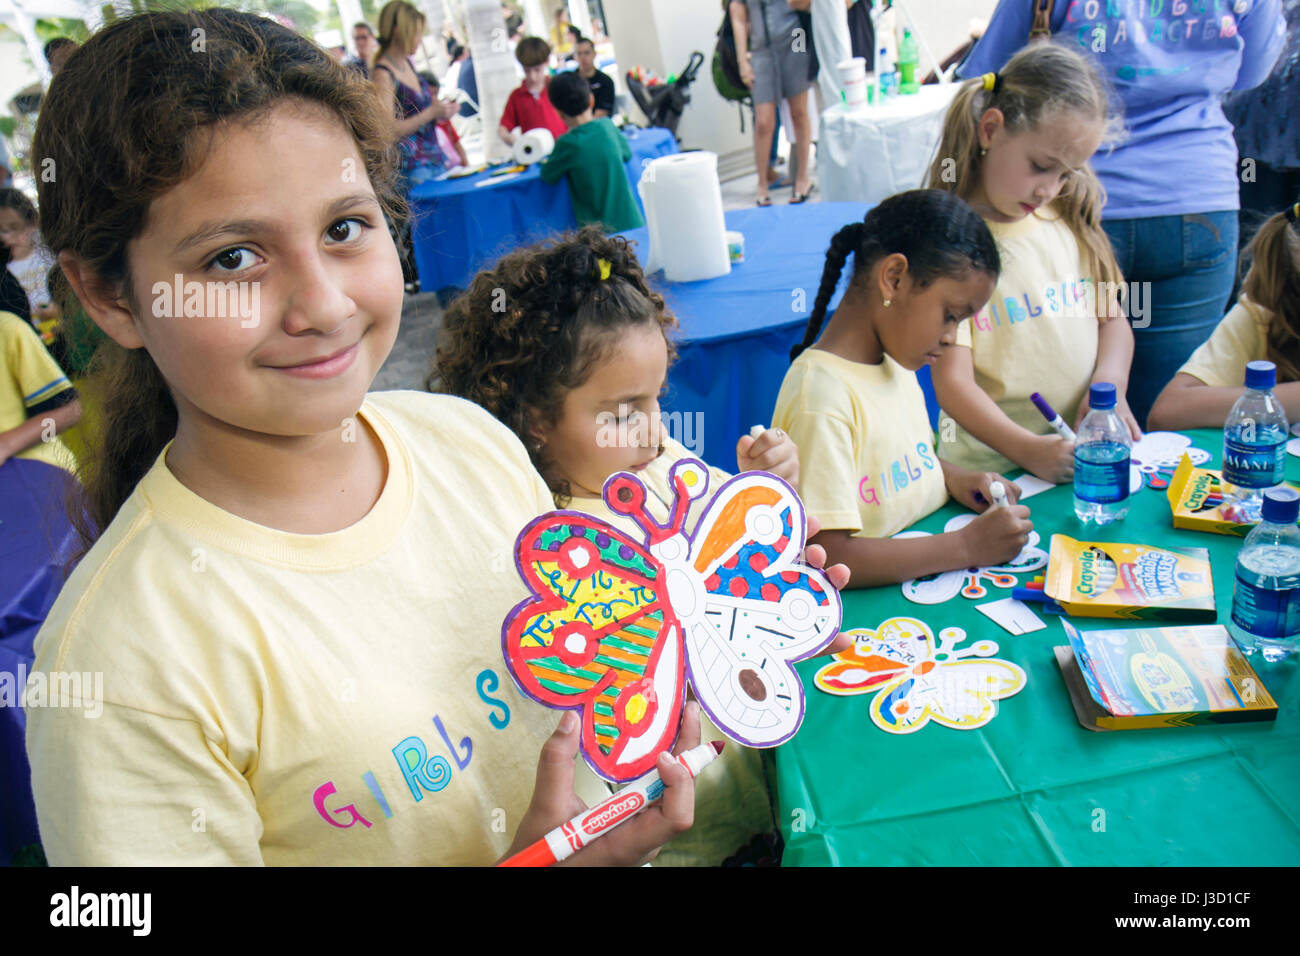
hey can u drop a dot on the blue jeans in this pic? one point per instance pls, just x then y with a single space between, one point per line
1190 262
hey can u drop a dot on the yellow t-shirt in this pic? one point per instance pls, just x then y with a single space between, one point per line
295 699
32 378
1241 337
731 797
866 451
1038 333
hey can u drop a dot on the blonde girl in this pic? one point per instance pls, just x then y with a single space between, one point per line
1016 146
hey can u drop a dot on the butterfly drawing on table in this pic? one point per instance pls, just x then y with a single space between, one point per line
1156 456
916 682
970 582
615 628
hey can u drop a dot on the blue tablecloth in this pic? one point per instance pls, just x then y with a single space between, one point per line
35 541
459 226
737 330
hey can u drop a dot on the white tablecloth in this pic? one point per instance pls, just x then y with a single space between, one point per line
868 155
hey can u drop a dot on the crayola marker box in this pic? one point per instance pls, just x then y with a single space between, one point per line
1195 500
1160 677
1137 581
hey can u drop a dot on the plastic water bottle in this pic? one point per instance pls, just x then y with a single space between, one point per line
1266 591
1101 460
886 72
908 55
1254 444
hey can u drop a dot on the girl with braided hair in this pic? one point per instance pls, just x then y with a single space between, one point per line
922 262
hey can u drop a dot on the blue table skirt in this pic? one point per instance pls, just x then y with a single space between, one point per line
737 330
459 227
35 541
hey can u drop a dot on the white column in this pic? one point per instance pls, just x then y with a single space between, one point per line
494 69
535 24
831 37
23 23
432 48
580 16
349 14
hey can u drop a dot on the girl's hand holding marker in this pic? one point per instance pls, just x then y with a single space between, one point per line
1048 457
770 450
632 843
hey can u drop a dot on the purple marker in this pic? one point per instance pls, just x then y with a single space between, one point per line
1053 419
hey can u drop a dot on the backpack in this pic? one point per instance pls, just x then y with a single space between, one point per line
726 65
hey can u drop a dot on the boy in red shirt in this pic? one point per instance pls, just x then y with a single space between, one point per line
529 106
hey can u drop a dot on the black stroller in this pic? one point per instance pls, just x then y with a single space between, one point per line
664 105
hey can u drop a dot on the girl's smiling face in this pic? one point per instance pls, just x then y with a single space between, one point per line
282 207
1022 171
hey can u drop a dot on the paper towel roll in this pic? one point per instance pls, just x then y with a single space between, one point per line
534 146
683 209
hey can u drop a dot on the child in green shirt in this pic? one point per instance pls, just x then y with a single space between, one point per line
591 154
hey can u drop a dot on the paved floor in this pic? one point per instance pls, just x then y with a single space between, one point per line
412 355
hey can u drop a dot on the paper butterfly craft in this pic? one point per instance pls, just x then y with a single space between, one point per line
1157 454
615 627
969 583
915 682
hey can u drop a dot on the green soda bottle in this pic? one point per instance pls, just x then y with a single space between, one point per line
907 60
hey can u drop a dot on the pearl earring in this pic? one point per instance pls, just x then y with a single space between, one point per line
983 151
888 302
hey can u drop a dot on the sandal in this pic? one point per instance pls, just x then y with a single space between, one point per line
763 201
802 197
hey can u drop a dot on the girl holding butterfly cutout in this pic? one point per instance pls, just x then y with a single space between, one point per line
575 365
1264 324
922 261
288 588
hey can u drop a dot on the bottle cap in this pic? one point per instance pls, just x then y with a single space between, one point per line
1281 506
1261 374
1101 396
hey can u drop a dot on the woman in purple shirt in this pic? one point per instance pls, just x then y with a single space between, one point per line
1172 180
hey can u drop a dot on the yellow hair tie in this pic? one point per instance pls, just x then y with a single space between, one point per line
605 268
1294 213
990 81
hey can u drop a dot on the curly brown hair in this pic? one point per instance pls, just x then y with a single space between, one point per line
129 117
532 329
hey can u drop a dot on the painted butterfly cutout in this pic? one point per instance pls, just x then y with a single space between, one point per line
969 582
915 682
615 627
1156 455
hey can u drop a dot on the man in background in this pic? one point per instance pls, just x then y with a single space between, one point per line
602 87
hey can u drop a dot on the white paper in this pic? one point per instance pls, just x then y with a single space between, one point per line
1012 616
1031 485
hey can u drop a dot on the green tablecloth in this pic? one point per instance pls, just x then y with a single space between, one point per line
1033 786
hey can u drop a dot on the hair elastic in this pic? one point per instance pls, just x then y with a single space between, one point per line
605 268
1293 213
992 82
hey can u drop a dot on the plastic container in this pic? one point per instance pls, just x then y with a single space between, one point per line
1266 590
1101 460
1254 445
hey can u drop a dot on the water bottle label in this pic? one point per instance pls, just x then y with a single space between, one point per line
1101 482
1264 612
1252 465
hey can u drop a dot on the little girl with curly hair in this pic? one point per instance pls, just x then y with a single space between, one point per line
568 346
